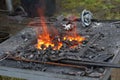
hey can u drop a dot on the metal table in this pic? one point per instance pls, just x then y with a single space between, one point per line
37 75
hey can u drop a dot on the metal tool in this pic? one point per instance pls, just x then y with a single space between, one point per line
86 18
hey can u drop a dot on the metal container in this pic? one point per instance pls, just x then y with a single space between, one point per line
32 6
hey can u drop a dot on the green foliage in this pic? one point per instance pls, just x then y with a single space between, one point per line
105 9
117 0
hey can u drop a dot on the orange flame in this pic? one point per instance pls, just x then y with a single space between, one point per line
44 38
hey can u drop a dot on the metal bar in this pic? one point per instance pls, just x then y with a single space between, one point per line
72 63
49 63
89 63
84 62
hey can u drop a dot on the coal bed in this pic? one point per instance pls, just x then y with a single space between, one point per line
89 58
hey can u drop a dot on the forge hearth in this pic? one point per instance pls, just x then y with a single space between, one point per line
82 53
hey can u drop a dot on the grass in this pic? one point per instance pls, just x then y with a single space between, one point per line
101 9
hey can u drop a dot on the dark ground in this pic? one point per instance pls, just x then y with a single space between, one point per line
13 26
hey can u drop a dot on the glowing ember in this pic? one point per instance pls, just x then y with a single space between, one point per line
79 39
58 47
44 41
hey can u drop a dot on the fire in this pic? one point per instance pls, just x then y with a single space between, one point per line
73 36
79 40
45 40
